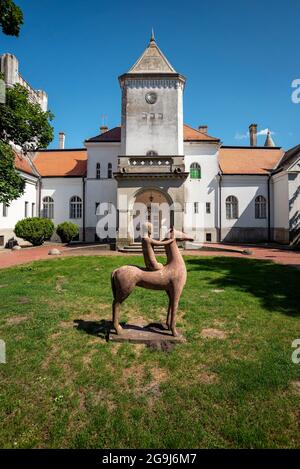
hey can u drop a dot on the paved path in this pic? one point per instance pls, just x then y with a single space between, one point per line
280 255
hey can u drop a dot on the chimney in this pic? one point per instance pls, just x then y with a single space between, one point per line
61 138
253 135
203 129
103 129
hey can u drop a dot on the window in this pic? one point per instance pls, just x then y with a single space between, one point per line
4 209
96 207
26 210
208 237
33 209
260 207
75 207
151 153
232 208
48 207
196 207
109 170
98 171
195 171
207 207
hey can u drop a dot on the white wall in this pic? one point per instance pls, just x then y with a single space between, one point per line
246 189
16 210
164 132
294 202
280 200
61 190
202 190
103 189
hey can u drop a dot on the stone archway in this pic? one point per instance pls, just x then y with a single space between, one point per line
157 210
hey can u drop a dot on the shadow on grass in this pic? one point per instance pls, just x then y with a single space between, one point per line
97 328
275 285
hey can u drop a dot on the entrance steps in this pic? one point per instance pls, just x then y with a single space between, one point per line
137 248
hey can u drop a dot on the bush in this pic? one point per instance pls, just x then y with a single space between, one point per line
35 230
67 231
48 227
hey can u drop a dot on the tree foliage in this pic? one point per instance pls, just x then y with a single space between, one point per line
11 17
11 182
23 122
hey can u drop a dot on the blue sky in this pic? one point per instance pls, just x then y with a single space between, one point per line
239 56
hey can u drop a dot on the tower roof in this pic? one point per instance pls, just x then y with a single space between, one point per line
152 60
269 141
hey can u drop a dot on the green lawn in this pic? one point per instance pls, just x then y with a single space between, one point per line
65 386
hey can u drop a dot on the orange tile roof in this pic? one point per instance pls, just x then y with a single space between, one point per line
248 160
22 164
67 163
189 135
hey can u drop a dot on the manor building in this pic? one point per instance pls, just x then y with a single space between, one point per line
246 194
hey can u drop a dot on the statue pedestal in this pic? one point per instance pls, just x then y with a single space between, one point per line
151 334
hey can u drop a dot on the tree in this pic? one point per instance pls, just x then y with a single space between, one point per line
23 122
11 182
11 18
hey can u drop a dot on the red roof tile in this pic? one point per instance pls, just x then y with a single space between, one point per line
189 135
67 163
22 164
249 160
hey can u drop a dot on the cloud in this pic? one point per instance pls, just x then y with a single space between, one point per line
239 136
265 132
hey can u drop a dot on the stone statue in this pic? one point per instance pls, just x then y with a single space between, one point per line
170 277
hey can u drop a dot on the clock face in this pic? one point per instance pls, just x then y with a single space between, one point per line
151 97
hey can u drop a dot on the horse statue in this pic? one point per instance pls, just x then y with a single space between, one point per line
170 277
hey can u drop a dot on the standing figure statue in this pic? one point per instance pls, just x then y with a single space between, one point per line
170 277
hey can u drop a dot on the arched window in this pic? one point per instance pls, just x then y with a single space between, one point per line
232 207
151 153
260 207
195 171
75 207
109 170
48 207
98 171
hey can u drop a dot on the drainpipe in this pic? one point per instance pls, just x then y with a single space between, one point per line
39 196
269 209
83 210
220 208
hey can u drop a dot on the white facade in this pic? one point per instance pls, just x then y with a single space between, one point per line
24 206
203 191
61 191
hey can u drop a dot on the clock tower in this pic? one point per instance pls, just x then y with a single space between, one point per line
152 108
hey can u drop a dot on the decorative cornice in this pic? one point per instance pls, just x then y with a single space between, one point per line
150 80
120 176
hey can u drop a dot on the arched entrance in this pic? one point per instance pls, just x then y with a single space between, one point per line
154 206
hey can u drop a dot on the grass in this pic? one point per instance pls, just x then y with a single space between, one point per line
64 386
